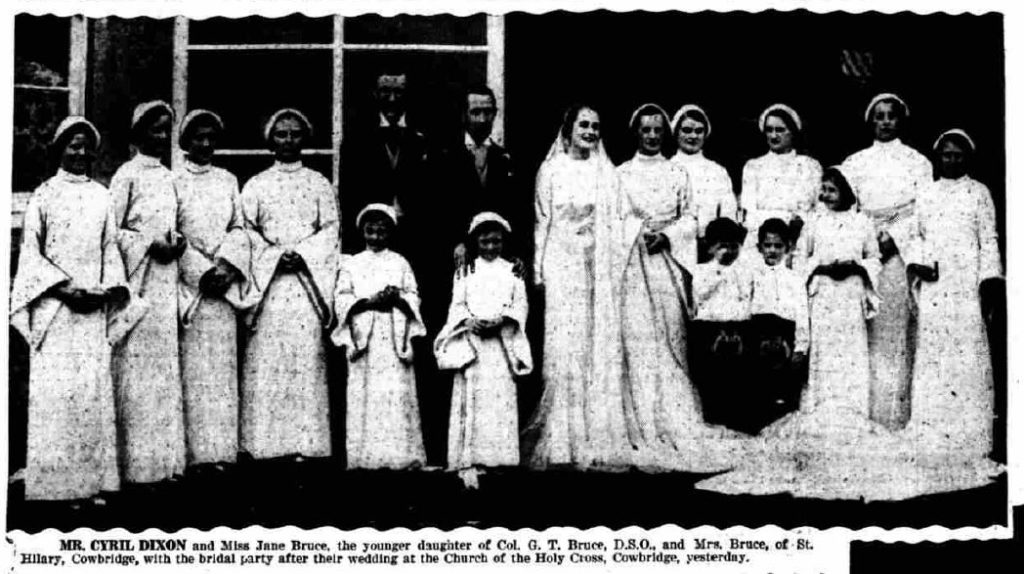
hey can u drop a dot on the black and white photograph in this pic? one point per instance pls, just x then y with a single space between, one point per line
515 269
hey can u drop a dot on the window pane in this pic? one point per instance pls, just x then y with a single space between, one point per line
436 83
42 47
294 29
405 29
246 166
245 88
36 115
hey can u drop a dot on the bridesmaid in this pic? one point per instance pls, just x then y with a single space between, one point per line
146 367
957 276
711 192
70 274
781 183
214 268
291 215
663 409
887 177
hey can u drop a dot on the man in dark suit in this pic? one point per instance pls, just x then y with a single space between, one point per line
477 174
385 161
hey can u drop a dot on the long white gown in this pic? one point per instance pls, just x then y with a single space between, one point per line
887 178
284 397
829 448
950 429
69 234
711 189
580 259
210 217
777 185
146 366
663 411
382 421
484 420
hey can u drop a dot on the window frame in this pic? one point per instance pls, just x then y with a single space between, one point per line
78 66
494 48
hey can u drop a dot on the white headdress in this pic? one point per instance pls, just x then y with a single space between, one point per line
489 217
882 98
378 208
267 129
72 121
678 118
195 115
659 109
953 132
144 108
780 108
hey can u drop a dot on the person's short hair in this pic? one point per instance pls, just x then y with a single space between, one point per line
390 70
898 106
695 115
139 129
478 90
776 226
56 149
847 198
786 119
374 216
201 121
722 230
650 110
487 227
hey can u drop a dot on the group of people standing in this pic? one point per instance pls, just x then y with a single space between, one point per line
176 320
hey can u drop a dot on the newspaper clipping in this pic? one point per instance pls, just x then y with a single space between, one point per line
501 285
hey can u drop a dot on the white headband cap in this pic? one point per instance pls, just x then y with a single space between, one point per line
144 108
378 208
953 132
884 97
636 112
489 217
72 121
195 115
780 108
678 118
286 112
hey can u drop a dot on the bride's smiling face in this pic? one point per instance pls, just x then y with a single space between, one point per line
586 130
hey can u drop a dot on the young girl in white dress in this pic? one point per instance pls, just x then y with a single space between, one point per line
377 306
829 448
484 340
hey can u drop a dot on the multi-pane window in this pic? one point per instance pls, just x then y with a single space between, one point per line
49 84
244 69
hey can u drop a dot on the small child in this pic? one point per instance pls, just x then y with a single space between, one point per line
377 308
484 341
722 292
779 324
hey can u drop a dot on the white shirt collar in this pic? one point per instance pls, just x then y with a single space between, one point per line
384 121
72 177
147 160
893 143
193 167
780 156
644 158
471 143
288 167
689 157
